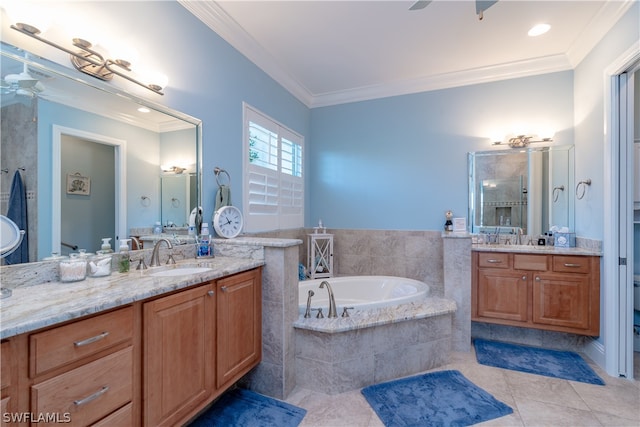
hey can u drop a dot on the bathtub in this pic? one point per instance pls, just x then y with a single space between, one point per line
362 292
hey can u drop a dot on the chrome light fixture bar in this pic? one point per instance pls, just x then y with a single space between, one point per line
522 141
88 60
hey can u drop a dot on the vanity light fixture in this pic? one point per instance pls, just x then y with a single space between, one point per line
89 61
173 169
522 141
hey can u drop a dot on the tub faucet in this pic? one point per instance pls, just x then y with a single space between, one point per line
155 255
332 302
307 313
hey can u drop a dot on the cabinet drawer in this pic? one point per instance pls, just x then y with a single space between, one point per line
493 260
530 262
571 264
5 365
88 393
65 344
123 417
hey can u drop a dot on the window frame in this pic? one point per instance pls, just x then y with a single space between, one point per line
283 192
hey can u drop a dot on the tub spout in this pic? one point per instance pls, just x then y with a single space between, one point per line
332 302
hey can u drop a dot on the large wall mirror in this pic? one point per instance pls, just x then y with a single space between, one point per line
528 189
92 165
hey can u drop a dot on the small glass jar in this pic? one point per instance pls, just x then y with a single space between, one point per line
73 269
99 265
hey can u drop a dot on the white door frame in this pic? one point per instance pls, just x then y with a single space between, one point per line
616 304
120 179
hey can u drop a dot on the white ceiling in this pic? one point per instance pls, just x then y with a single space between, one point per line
331 52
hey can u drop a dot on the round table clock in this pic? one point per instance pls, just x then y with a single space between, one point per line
228 222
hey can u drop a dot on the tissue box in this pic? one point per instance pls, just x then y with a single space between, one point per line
564 240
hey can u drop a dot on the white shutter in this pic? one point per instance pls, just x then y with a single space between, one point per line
274 184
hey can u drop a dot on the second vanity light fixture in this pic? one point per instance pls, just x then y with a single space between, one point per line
521 141
89 61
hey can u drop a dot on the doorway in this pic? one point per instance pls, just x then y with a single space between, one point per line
619 213
100 204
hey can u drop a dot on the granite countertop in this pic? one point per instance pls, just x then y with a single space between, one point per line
37 306
359 319
534 249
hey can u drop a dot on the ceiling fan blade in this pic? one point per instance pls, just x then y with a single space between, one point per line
482 5
420 4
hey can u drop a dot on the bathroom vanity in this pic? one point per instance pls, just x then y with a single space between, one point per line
130 349
545 288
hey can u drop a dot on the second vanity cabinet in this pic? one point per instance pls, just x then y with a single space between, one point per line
542 291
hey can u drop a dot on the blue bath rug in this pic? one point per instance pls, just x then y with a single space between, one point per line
551 363
443 398
244 408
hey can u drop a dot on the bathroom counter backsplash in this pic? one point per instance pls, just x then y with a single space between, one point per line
37 306
586 247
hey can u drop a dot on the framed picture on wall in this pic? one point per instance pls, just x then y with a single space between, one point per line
78 184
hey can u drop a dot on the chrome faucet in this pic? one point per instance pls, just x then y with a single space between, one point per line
519 238
332 302
155 255
137 242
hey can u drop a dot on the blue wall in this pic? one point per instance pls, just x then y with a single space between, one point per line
401 162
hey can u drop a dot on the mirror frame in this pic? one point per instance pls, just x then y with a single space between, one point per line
472 182
56 70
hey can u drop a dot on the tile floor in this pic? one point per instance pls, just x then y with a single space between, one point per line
536 400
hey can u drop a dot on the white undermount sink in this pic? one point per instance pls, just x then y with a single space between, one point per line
180 271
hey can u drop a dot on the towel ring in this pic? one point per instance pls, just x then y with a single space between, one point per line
145 201
556 192
582 185
175 202
217 171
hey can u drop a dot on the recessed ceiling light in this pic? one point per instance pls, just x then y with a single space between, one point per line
539 30
144 110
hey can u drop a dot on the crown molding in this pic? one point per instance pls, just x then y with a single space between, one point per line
212 15
512 70
602 22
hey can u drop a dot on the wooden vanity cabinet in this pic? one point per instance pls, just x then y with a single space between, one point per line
197 343
179 354
239 337
542 291
84 372
8 382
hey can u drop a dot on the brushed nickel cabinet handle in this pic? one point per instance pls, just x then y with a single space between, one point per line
567 264
224 289
91 340
210 293
524 277
494 261
94 396
538 278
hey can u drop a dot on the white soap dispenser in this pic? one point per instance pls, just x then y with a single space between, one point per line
123 256
105 248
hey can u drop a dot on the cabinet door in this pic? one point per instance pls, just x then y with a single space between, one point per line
503 294
178 354
561 300
239 338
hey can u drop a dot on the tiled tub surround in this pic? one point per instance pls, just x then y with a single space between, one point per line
371 346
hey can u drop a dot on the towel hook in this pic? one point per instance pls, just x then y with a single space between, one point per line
217 171
582 185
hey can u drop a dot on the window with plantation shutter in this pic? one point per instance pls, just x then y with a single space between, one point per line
273 178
